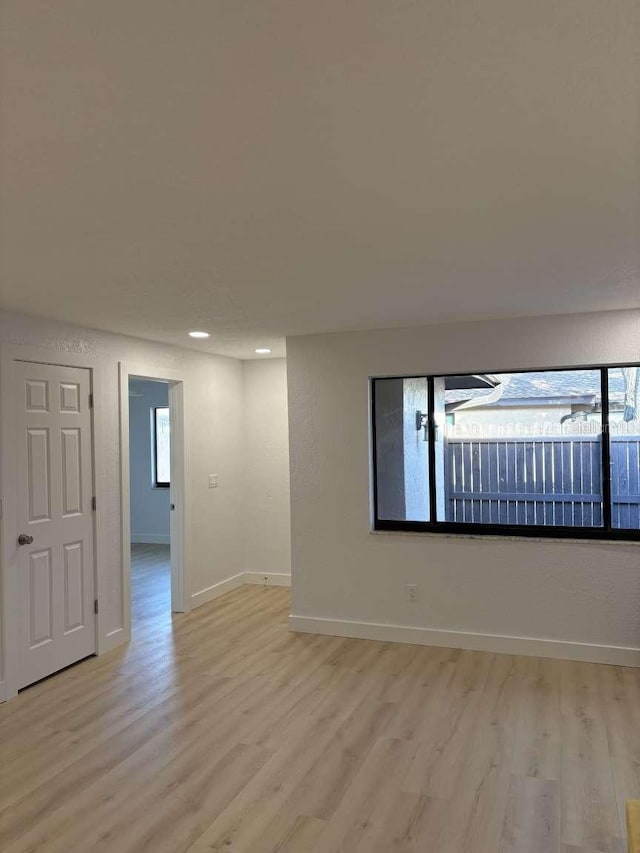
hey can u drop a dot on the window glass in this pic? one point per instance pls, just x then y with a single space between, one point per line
162 445
520 448
624 429
402 456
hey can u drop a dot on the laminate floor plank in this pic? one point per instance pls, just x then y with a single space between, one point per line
590 816
532 818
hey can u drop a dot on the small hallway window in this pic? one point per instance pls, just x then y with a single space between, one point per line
161 447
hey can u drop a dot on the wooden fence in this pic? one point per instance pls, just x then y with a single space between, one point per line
551 480
625 482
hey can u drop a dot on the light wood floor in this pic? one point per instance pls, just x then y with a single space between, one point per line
151 589
222 731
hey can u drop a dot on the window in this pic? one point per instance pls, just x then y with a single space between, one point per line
521 452
161 447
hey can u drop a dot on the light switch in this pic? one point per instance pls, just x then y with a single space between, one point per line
213 481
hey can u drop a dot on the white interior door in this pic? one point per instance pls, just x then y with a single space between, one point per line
55 563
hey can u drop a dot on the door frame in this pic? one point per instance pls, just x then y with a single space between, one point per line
180 597
9 592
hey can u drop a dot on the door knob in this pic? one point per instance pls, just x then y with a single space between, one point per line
25 539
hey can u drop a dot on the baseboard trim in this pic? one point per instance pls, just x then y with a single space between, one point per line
268 578
242 578
112 640
529 646
217 589
150 539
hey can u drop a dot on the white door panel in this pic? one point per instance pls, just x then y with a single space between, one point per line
71 472
74 599
56 571
40 592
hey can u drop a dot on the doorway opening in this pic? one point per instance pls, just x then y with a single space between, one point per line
150 502
152 482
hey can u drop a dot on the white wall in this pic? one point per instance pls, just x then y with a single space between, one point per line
214 541
570 593
266 461
149 505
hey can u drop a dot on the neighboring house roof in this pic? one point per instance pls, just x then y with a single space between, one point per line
569 387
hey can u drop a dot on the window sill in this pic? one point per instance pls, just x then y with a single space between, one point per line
565 540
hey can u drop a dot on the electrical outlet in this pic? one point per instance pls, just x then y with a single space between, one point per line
411 592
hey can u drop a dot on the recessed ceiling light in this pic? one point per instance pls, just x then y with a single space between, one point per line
263 351
198 334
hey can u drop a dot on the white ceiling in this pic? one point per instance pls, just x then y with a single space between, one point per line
278 167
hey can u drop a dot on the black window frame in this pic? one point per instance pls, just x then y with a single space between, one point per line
603 532
157 484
